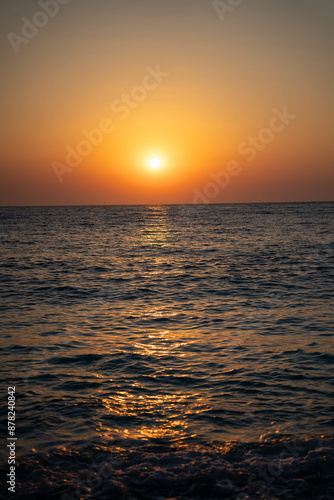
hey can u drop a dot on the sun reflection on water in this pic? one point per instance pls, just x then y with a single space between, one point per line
162 343
154 230
167 413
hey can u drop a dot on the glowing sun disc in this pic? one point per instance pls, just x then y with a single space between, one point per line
155 163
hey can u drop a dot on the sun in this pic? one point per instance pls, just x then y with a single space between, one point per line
155 163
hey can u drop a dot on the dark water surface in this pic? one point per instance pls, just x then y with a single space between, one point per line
170 351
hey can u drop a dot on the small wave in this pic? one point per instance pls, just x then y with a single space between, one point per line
83 359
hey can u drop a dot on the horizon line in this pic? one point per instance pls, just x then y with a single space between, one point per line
171 204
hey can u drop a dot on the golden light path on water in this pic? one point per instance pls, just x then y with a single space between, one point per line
178 406
159 344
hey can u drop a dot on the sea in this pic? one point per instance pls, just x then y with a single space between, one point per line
168 352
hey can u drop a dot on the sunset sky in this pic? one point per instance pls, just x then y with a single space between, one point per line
236 103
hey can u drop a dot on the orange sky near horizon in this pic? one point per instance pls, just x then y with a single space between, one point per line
106 86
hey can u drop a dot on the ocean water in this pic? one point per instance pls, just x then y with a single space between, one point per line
169 352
